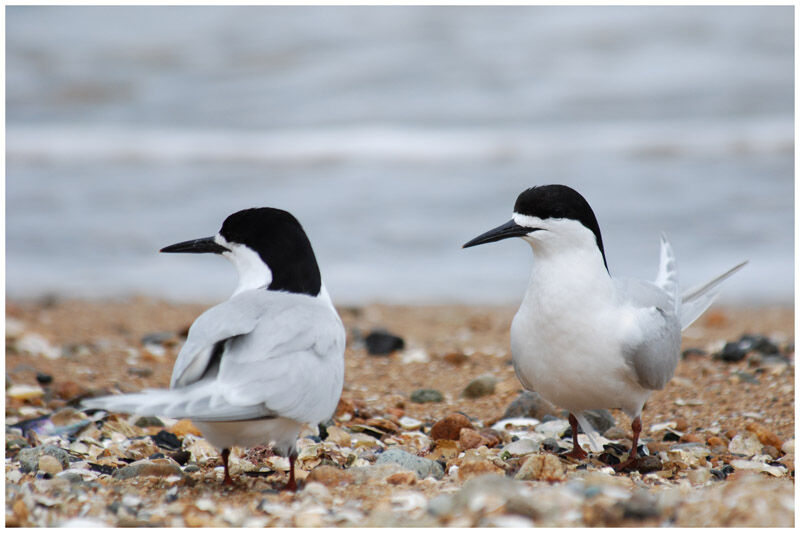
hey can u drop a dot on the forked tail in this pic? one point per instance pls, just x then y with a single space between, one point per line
697 299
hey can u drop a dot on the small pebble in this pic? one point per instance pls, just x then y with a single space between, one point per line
469 438
476 467
148 421
421 466
339 436
699 476
746 444
542 467
330 476
788 446
764 435
148 468
402 478
184 427
426 396
24 392
49 465
480 386
450 427
381 342
529 404
408 423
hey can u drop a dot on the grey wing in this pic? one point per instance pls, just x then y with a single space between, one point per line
291 365
652 347
236 316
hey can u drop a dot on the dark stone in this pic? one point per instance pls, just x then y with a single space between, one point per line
165 439
480 386
718 475
551 445
103 469
157 455
426 395
381 342
732 353
615 448
671 437
608 458
148 421
322 427
44 379
759 343
648 463
181 457
29 457
529 404
689 352
736 351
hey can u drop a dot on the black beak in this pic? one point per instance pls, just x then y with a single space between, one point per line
509 229
197 246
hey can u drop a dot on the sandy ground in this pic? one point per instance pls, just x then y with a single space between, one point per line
101 348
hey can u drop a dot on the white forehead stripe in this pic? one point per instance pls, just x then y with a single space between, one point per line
527 221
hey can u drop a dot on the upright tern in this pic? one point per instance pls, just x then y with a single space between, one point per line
260 365
585 340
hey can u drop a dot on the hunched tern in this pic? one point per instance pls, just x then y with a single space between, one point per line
270 359
585 340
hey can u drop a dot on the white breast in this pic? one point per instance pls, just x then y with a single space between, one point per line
566 336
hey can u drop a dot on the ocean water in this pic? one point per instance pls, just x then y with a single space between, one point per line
395 134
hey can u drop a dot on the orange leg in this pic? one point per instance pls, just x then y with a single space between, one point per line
636 426
577 452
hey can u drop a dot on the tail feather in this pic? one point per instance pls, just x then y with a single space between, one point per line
151 402
667 277
697 299
203 401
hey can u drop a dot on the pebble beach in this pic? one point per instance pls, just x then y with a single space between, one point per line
433 429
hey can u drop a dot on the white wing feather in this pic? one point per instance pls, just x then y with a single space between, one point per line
282 356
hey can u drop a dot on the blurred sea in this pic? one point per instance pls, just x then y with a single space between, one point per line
395 134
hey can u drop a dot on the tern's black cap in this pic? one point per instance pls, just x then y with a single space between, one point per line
282 244
559 201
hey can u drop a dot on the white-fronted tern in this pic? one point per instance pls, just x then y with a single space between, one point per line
259 366
581 338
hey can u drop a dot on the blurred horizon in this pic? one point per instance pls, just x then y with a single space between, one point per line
395 134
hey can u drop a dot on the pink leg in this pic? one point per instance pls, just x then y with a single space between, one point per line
577 452
636 426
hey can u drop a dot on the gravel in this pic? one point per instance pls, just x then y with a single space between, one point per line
381 464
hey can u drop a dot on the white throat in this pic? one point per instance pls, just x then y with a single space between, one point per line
253 272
